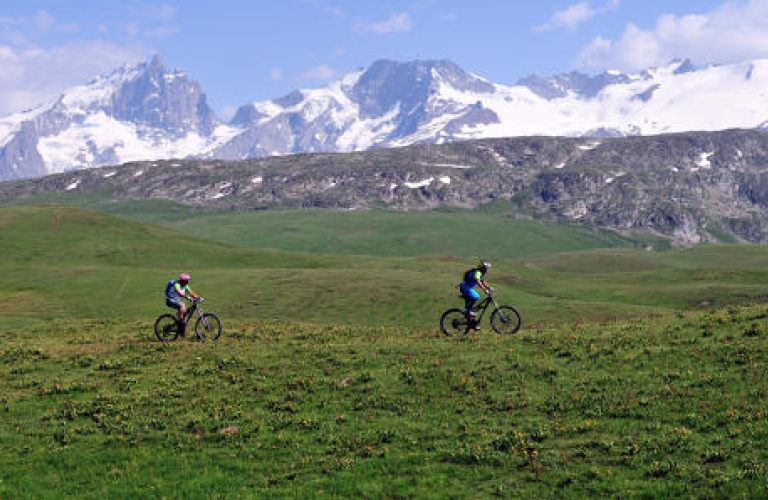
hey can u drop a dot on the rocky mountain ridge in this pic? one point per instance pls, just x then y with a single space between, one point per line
688 187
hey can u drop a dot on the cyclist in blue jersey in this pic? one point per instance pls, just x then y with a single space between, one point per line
473 278
175 290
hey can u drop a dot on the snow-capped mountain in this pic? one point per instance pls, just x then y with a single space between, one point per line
137 112
395 104
147 112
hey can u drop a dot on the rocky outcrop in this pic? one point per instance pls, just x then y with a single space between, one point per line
688 187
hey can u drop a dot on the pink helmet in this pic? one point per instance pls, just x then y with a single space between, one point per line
184 277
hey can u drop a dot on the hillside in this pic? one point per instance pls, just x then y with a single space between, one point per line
98 266
331 378
688 188
669 406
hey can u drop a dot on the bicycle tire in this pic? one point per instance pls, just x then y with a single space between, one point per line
506 320
208 326
453 323
167 328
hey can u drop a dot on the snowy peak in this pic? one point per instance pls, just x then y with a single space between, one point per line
136 112
388 103
572 84
160 98
147 112
148 95
387 83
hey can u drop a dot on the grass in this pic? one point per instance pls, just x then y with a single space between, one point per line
332 380
74 263
491 231
670 406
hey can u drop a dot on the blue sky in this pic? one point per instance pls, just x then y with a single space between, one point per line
242 51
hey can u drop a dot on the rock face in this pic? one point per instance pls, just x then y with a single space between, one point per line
379 106
147 112
159 99
689 187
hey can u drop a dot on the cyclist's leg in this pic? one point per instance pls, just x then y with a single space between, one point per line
178 306
470 297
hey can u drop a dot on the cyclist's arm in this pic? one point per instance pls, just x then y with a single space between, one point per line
484 286
193 294
180 291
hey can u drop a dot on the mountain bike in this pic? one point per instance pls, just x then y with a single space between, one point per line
208 326
505 320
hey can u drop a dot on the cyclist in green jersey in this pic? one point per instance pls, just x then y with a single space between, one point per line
175 290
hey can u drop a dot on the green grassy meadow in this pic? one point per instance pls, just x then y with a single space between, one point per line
636 373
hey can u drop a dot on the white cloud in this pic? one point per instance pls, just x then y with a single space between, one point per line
17 29
396 23
227 112
575 15
44 21
321 73
30 76
161 32
275 74
735 31
164 12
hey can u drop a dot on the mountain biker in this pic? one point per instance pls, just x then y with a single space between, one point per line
473 278
175 290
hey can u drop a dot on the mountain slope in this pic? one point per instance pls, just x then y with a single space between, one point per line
689 187
395 104
147 112
139 112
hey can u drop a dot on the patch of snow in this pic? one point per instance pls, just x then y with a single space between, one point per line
138 173
225 185
589 146
609 180
560 165
576 212
218 195
420 184
73 185
704 160
445 179
392 186
497 157
447 165
110 174
739 153
675 169
256 180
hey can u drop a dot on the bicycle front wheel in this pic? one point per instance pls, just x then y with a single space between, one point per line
208 326
454 323
167 328
505 320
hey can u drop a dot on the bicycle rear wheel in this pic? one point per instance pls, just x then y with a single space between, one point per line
208 326
454 323
505 320
167 328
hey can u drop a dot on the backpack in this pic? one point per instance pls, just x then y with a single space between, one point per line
469 272
169 288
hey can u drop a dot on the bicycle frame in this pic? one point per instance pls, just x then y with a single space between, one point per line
483 304
195 307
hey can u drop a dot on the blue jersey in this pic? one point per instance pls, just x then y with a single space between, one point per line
471 277
174 290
